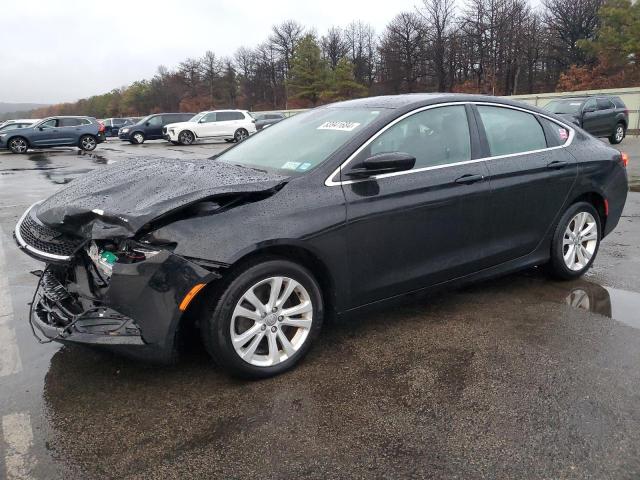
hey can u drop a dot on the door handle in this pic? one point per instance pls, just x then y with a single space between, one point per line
557 165
469 179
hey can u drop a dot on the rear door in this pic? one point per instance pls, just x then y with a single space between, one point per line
531 175
408 230
594 122
227 123
69 131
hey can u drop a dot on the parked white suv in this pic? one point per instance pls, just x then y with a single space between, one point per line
232 125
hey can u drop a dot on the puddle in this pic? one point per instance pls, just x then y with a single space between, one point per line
621 305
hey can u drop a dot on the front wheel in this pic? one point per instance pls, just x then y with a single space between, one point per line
88 143
618 134
575 241
137 138
186 138
265 320
18 145
240 135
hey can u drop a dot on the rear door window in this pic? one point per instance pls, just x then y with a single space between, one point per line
437 136
69 122
510 131
556 134
604 104
225 116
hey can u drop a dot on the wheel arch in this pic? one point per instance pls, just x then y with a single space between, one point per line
599 203
18 136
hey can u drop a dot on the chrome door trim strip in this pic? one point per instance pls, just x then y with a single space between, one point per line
331 182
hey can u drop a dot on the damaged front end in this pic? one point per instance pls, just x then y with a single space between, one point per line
109 279
122 294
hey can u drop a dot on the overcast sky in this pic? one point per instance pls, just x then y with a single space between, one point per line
63 50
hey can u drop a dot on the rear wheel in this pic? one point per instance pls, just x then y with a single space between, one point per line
18 145
186 138
88 143
618 134
240 135
265 319
575 241
137 138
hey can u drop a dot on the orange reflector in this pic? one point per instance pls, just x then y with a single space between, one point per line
625 159
606 207
189 296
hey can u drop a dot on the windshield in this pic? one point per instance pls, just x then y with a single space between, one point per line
302 142
564 106
197 117
145 119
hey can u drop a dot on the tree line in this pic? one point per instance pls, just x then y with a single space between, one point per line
499 47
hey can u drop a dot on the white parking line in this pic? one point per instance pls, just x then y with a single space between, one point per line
10 362
18 438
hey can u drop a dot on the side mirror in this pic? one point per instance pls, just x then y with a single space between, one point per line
41 128
147 124
589 110
384 163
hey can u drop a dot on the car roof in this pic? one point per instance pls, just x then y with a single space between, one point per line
411 101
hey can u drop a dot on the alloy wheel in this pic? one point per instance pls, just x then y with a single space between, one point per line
579 241
241 135
619 133
271 321
18 145
88 143
138 137
186 138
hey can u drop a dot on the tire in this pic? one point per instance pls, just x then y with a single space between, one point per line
619 134
572 256
240 135
229 140
18 145
186 138
262 329
88 143
137 138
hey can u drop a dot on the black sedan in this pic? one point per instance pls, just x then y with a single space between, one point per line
326 212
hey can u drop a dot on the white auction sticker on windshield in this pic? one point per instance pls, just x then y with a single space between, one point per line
291 165
341 126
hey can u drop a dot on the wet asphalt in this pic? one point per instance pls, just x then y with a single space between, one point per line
519 377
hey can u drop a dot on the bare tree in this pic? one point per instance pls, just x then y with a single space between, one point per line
334 46
402 49
568 22
440 18
362 44
210 69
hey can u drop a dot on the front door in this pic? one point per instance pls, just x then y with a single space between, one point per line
594 121
154 127
46 134
408 230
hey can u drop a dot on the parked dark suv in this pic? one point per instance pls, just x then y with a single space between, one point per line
150 127
83 132
113 125
605 116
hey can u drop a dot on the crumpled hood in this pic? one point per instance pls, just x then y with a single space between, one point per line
118 200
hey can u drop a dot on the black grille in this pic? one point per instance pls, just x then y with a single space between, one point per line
45 239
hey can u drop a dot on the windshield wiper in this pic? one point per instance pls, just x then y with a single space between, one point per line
250 168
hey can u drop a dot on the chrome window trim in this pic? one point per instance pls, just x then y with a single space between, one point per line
25 246
331 182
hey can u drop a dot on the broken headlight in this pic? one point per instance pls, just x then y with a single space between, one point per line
105 255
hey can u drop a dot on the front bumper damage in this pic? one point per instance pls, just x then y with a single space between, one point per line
136 311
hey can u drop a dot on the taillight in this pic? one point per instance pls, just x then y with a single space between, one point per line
101 127
626 112
624 159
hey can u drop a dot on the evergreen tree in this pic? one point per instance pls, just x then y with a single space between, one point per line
309 75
